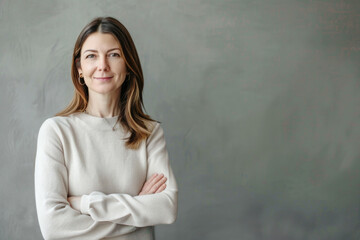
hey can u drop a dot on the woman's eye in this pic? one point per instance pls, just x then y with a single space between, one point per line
90 56
114 55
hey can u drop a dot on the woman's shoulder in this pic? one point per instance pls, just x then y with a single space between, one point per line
156 131
57 122
153 126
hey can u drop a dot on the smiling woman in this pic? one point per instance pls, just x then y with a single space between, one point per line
102 168
102 66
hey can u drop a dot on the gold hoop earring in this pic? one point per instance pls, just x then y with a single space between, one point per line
81 77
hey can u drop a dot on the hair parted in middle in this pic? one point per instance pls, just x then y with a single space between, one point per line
132 116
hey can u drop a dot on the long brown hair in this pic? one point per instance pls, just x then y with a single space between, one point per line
132 116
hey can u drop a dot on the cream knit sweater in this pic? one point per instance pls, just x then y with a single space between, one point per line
81 155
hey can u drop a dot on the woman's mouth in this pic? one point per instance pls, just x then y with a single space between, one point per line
103 79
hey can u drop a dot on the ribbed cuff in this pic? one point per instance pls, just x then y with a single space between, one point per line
84 205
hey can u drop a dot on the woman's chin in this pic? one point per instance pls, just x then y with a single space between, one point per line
103 91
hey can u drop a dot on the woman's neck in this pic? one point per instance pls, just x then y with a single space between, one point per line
103 106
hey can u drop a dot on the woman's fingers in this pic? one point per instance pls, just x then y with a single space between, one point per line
154 184
147 183
160 189
154 180
158 184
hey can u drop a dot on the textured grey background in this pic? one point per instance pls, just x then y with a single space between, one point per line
259 101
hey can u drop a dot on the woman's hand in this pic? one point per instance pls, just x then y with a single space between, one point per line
155 184
75 202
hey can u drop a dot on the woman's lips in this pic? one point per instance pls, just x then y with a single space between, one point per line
103 79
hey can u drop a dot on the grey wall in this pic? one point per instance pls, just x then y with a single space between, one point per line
259 100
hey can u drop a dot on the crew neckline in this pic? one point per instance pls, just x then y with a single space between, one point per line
98 123
87 114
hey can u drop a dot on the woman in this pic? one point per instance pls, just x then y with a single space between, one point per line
102 168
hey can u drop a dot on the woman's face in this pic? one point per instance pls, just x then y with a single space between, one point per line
101 64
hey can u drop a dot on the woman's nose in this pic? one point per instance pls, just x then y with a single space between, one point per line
103 64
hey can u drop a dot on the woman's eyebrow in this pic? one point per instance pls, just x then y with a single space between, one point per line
91 50
113 49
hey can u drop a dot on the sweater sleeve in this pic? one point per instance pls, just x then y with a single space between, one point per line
144 210
56 217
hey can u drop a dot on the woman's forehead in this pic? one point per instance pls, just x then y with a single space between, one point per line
100 42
